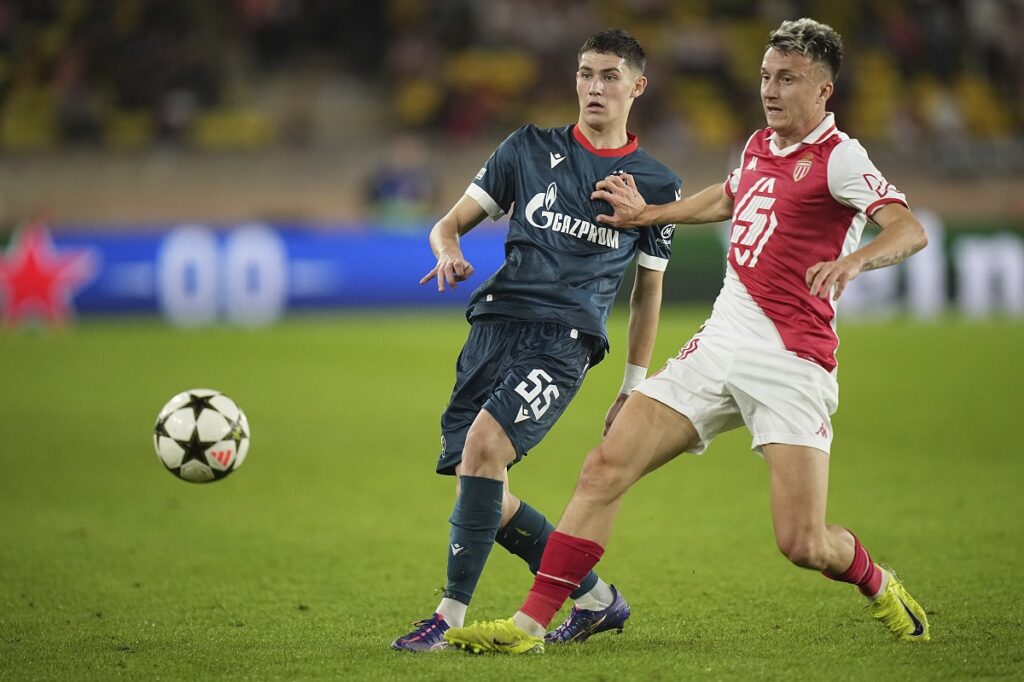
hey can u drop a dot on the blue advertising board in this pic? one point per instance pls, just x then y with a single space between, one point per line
252 274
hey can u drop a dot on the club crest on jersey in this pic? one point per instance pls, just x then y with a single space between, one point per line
803 167
550 196
539 213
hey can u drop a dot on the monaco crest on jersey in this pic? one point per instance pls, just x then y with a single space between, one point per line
802 168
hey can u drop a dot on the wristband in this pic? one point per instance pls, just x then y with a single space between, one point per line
634 375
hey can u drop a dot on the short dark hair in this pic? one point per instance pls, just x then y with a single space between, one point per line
617 42
810 38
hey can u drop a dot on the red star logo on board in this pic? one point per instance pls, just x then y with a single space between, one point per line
38 282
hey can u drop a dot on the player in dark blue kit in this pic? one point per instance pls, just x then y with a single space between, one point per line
538 323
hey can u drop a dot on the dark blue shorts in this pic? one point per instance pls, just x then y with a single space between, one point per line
523 373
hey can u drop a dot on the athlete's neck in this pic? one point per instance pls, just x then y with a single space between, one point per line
792 138
610 138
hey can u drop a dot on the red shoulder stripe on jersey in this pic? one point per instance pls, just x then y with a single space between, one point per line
827 134
631 145
878 204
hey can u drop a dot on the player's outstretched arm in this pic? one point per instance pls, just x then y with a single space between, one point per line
710 205
452 266
902 236
644 313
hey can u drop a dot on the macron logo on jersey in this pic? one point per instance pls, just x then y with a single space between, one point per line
556 158
539 214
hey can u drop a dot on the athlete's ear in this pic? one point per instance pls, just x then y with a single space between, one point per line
826 91
639 86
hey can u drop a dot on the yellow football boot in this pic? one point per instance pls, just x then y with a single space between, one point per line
494 637
899 612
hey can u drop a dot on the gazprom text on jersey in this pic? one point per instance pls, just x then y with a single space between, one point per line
583 229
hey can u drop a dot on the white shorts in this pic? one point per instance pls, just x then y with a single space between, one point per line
720 384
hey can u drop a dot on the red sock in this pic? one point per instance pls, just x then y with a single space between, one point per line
566 562
862 572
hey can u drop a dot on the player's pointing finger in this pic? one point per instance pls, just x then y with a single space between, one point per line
429 276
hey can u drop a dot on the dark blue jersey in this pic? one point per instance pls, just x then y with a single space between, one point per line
560 265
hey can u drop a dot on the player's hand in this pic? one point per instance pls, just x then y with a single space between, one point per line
613 412
449 270
622 195
827 276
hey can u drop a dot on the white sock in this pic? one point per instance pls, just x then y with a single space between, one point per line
598 598
528 625
453 612
882 585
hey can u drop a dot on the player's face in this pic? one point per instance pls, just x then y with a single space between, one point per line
794 89
606 87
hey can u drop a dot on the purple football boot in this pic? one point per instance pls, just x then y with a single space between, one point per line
581 625
428 636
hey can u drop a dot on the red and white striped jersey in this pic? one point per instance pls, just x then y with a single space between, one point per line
795 207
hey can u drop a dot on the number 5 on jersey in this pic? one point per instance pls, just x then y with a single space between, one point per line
538 396
754 223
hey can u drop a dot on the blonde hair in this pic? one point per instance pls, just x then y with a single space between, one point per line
810 38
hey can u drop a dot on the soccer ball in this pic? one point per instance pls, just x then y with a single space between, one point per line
201 435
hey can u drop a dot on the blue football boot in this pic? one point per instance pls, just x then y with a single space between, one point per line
428 636
581 625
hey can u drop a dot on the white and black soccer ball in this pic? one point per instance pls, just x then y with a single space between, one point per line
201 435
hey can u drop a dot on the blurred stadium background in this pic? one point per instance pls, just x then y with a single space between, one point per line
124 118
225 164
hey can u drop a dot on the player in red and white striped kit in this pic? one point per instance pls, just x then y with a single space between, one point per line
766 357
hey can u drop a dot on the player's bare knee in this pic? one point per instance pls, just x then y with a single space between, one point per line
603 475
804 550
483 461
486 453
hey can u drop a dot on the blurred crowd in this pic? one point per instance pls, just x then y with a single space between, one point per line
943 74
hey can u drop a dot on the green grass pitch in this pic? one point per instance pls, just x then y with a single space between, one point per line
306 562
